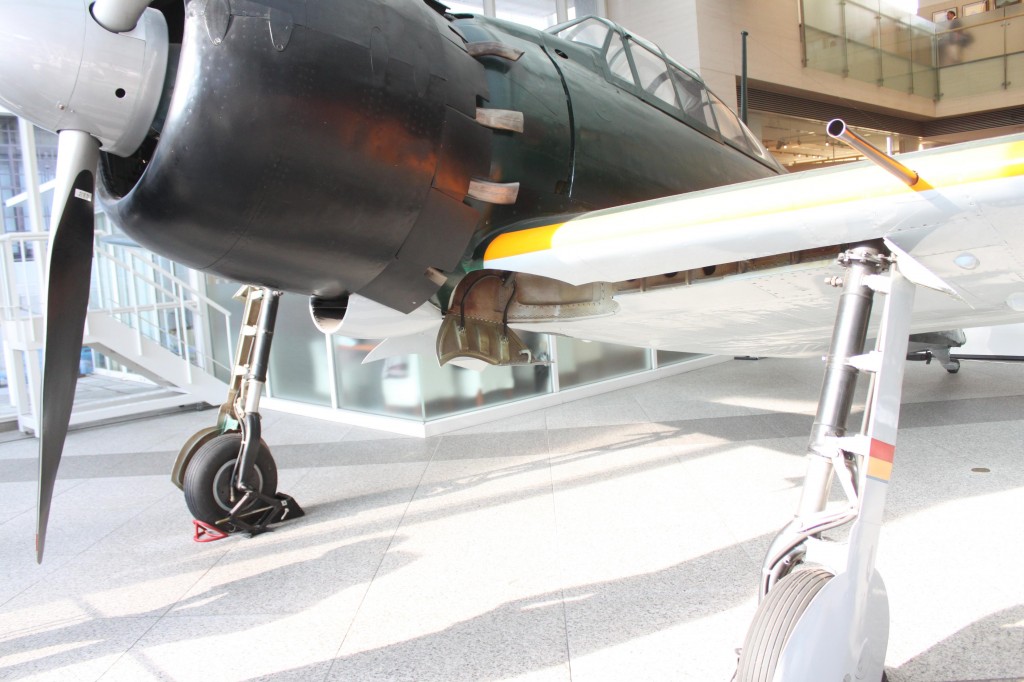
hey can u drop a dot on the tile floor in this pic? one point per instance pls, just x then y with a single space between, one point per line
614 538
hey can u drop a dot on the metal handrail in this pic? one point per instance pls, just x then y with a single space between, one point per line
163 292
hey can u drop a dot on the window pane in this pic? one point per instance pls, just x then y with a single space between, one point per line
617 60
536 13
46 152
590 32
11 180
389 387
298 357
755 144
728 124
654 74
695 103
580 362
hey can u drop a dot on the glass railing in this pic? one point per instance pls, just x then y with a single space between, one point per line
874 42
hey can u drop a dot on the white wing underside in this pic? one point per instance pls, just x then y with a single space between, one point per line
785 312
966 237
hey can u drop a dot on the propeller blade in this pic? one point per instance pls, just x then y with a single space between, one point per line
67 301
118 16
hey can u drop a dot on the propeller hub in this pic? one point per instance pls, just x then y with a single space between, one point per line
63 71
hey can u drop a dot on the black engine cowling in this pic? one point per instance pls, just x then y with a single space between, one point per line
323 148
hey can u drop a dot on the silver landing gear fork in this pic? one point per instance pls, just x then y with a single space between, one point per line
255 380
820 627
247 408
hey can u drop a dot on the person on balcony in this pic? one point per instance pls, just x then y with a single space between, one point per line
953 40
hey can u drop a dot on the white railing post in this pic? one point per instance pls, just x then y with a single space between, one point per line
6 264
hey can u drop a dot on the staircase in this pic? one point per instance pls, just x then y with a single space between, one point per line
157 327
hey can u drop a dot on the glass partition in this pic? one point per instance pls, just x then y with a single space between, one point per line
582 362
453 390
974 78
826 17
415 387
875 42
824 51
298 356
924 75
978 39
1015 68
896 50
1014 29
388 387
671 357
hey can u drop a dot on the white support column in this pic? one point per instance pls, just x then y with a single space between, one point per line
553 368
15 376
34 204
332 374
32 364
561 11
202 332
17 383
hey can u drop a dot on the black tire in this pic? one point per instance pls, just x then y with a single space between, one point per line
776 616
208 478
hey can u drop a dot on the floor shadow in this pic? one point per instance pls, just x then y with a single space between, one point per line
988 650
270 594
548 630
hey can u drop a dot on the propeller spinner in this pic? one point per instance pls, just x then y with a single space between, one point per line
96 78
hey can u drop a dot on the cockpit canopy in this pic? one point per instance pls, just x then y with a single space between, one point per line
644 68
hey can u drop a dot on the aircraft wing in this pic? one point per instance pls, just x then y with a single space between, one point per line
749 262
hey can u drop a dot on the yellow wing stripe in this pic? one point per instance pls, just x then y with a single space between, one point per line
524 241
937 171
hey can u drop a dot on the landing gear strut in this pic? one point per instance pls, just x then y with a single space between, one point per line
227 472
824 613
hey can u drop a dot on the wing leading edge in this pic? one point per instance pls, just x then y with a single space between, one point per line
962 235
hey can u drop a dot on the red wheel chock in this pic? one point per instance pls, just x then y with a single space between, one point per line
207 533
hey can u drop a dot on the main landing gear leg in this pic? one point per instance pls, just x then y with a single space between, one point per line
831 621
227 473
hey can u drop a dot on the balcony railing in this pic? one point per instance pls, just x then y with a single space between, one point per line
873 42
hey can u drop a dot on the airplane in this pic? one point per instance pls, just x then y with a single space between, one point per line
424 175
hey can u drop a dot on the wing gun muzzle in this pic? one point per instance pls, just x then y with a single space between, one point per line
837 128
